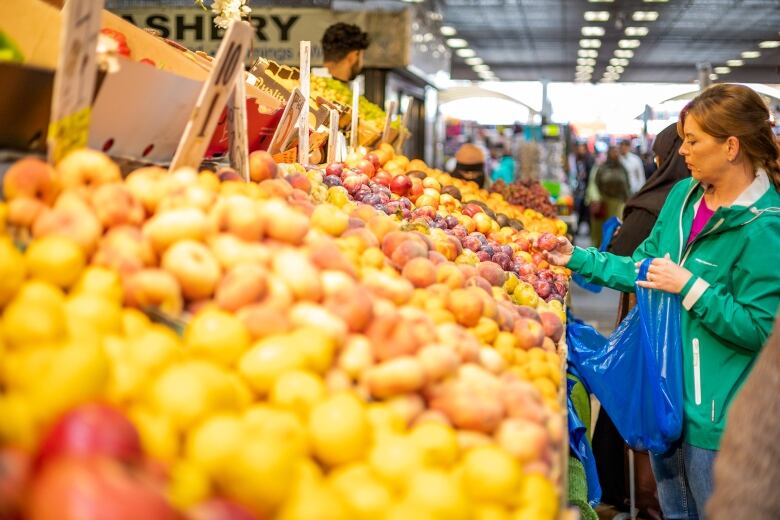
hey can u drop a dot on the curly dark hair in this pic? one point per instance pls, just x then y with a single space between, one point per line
340 39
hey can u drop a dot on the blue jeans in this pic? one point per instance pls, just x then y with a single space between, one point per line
684 479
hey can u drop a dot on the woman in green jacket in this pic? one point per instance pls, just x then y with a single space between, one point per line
716 243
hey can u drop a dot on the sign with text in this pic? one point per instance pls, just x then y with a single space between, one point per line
74 80
303 122
227 66
286 128
237 129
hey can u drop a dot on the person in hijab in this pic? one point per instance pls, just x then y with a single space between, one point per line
639 216
470 164
608 189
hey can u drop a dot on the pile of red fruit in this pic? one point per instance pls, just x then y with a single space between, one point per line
526 193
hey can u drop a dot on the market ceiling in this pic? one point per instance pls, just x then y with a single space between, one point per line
614 40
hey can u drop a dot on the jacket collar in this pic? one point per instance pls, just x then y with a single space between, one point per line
755 191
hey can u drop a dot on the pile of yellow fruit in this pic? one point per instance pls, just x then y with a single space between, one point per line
329 368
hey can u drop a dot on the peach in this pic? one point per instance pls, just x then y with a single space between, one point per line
408 250
238 215
527 441
336 282
506 316
295 269
275 189
116 205
279 296
125 249
299 181
263 320
467 408
231 251
325 254
382 225
483 222
469 271
194 267
438 361
551 323
466 305
330 219
391 337
87 168
24 211
261 166
364 212
149 185
479 283
522 400
31 178
356 356
283 223
492 272
78 224
450 275
175 225
314 324
420 271
449 246
396 376
548 344
193 196
364 235
397 290
353 306
529 333
154 287
242 285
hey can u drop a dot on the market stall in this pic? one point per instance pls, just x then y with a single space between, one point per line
357 338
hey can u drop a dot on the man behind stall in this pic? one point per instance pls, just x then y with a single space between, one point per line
343 46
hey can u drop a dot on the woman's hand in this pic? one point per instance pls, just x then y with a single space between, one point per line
561 254
665 275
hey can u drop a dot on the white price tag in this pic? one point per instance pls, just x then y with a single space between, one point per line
228 64
237 132
390 116
74 80
303 124
341 149
333 136
353 128
285 129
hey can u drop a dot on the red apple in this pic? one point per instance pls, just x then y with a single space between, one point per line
471 210
400 185
384 178
523 244
219 509
374 158
95 488
334 169
547 242
366 166
91 429
14 480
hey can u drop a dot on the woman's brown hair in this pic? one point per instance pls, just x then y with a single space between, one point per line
726 110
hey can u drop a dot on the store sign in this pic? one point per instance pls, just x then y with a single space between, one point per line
277 31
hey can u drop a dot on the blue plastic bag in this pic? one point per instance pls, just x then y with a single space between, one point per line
607 232
637 372
579 447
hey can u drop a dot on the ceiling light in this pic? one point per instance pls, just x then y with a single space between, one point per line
636 31
596 16
588 53
593 31
721 70
474 61
586 61
447 30
751 54
601 1
590 44
615 68
584 68
656 1
629 44
645 16
466 53
618 61
624 53
480 68
769 44
457 43
713 77
735 63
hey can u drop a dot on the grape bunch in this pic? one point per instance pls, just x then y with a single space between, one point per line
526 193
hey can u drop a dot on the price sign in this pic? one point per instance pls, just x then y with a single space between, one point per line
237 133
74 80
303 124
353 129
228 64
390 116
291 115
333 136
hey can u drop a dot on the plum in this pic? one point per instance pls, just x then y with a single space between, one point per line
547 242
331 180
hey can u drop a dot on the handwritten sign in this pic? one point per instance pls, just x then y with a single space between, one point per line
353 129
291 115
237 129
390 115
74 80
303 124
228 64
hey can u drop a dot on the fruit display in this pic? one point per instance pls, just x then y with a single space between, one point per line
526 193
373 339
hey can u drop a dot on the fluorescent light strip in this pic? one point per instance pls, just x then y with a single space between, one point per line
596 16
474 61
721 70
735 63
586 61
637 31
645 16
590 44
769 44
457 43
618 61
624 53
466 53
628 44
480 68
593 31
751 54
587 53
447 30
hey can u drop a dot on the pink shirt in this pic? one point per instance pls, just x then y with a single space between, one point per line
703 215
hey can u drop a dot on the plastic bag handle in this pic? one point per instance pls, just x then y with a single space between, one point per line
643 267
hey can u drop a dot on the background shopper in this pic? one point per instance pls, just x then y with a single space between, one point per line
717 244
633 165
608 190
343 46
470 164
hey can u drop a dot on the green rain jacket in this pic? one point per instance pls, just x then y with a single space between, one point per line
730 301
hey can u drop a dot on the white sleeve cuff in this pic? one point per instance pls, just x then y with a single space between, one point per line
695 292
